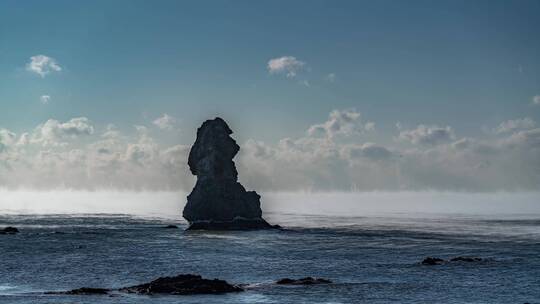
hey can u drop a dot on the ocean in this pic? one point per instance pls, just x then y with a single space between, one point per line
370 245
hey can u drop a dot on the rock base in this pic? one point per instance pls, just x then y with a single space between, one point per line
236 224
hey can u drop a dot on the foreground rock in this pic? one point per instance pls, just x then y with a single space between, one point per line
9 230
465 259
432 261
437 261
303 281
218 201
82 291
187 284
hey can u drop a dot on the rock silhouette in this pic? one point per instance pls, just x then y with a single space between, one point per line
82 291
9 230
438 261
432 261
465 259
303 281
218 201
186 284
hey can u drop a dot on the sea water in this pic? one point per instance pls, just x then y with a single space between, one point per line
369 245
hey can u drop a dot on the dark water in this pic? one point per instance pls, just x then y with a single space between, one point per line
370 259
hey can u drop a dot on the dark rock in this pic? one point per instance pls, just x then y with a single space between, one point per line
9 230
218 201
236 224
171 227
432 261
82 291
303 281
466 259
187 284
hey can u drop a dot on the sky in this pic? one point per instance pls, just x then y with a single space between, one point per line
321 95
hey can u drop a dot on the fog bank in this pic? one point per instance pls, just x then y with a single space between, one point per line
346 204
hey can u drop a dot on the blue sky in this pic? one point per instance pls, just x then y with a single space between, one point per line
469 65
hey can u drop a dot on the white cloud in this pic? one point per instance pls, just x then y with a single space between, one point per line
527 138
24 139
341 122
53 132
536 100
42 65
331 77
369 126
111 132
515 124
428 135
287 65
44 99
165 122
7 138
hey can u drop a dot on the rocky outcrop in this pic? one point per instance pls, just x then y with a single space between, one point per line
466 259
186 284
9 230
432 261
171 227
218 201
303 281
82 291
438 261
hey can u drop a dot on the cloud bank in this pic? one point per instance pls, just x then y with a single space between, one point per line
332 155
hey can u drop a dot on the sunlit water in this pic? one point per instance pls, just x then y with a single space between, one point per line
372 254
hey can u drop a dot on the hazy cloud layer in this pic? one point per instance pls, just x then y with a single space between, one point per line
333 155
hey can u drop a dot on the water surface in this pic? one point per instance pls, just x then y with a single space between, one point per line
371 259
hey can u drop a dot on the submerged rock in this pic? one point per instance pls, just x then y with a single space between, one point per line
437 261
466 259
432 261
82 291
303 281
9 230
218 201
187 284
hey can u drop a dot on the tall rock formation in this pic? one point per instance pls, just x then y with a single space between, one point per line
218 201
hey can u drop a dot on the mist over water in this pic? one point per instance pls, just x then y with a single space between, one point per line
347 204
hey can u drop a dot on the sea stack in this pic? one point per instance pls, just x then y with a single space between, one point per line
218 201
